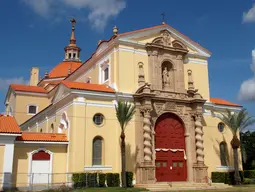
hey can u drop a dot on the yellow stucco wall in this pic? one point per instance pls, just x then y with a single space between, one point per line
22 101
212 139
1 159
21 162
84 130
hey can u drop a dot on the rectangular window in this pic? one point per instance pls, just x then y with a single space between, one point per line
106 74
32 109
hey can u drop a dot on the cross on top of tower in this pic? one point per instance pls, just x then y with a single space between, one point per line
163 18
73 21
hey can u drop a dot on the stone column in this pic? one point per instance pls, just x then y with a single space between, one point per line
147 135
189 156
8 164
147 167
200 170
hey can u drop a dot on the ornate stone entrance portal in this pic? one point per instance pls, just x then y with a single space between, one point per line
170 149
170 137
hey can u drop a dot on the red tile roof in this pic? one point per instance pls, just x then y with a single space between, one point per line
219 101
62 69
8 124
88 86
28 88
160 26
44 137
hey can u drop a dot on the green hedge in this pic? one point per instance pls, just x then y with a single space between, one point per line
225 177
249 174
113 179
102 178
82 180
129 176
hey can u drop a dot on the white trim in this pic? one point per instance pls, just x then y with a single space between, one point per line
131 50
226 168
31 93
30 105
42 142
148 32
30 163
99 105
10 134
97 168
52 79
194 61
210 104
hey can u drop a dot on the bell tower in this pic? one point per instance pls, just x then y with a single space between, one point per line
72 51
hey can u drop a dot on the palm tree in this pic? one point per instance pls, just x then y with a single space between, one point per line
124 113
236 122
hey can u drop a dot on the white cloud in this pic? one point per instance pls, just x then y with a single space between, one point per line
4 83
249 16
247 90
98 12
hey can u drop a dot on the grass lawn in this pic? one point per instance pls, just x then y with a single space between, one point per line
117 189
245 188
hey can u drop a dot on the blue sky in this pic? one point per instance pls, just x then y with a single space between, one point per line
34 33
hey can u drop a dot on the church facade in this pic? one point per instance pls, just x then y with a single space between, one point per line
67 120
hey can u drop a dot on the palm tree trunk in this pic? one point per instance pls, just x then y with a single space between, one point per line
123 160
236 166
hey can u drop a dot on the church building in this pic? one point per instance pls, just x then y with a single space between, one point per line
65 122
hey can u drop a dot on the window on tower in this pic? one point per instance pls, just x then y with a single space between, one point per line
106 74
74 56
32 109
70 55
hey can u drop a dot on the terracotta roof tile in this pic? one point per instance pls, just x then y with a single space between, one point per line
219 101
28 88
62 69
88 86
8 124
46 137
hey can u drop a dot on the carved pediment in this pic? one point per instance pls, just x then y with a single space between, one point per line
164 39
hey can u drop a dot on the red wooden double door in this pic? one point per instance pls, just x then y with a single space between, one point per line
170 146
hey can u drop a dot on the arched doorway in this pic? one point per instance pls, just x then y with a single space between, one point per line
170 149
40 166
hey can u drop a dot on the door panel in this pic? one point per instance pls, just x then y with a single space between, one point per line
170 135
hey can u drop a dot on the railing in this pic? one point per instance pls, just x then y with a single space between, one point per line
35 181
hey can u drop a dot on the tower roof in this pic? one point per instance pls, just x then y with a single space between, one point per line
64 68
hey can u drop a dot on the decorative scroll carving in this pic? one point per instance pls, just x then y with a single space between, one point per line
166 38
159 108
199 138
147 134
170 106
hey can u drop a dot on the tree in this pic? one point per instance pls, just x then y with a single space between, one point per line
236 122
124 113
248 150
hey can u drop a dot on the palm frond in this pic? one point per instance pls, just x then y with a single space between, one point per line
237 121
124 113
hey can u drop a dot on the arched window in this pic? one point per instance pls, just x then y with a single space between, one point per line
41 130
97 151
52 128
64 123
223 154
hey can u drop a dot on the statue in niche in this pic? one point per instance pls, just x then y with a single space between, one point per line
166 77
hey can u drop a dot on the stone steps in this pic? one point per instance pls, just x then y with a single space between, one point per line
173 186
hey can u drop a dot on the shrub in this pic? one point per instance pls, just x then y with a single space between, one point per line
102 178
249 174
116 178
92 180
109 179
129 176
247 181
218 177
75 179
225 177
